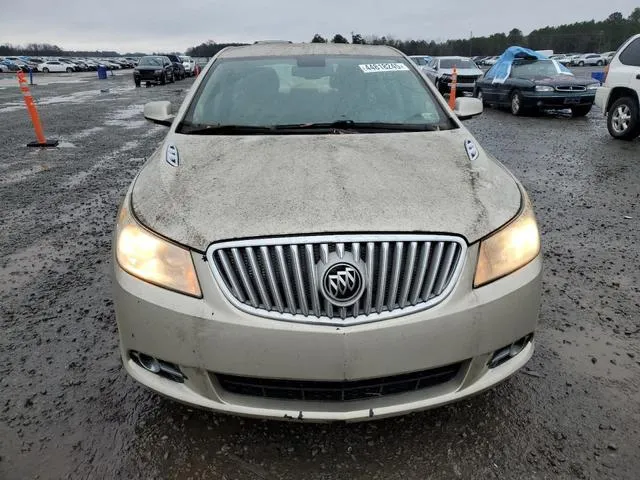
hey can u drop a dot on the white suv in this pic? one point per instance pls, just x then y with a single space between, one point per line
592 59
618 97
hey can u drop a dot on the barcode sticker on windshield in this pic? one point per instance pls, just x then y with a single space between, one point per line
384 67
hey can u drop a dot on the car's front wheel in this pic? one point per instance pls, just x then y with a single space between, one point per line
517 103
581 110
480 96
623 119
581 64
163 80
69 70
137 82
600 63
45 70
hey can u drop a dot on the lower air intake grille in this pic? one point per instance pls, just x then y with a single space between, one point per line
337 391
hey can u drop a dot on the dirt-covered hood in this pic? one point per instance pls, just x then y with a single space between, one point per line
230 187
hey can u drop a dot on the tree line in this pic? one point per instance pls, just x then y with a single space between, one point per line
579 37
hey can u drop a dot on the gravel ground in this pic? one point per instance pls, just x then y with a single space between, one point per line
67 409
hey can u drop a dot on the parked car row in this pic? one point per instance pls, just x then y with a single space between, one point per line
64 64
567 59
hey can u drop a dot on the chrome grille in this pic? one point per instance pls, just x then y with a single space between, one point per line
278 277
570 88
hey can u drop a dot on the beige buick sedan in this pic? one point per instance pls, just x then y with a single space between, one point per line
319 238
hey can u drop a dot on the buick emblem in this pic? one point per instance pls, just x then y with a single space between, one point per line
342 283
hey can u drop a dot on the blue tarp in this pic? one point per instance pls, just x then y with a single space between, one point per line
502 69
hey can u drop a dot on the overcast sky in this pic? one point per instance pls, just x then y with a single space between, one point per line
175 25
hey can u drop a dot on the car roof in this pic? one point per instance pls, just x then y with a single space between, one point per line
294 49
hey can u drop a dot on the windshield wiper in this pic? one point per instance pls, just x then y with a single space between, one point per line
339 126
221 129
350 125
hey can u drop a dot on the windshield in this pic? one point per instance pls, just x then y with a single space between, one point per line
299 91
456 62
153 61
535 68
419 60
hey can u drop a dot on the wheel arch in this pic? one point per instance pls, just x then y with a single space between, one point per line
618 92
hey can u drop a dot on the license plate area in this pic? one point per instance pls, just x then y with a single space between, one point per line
572 101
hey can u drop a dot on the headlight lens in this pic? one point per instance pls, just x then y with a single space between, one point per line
153 259
508 249
593 86
544 88
157 72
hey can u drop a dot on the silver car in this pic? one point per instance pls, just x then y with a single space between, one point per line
440 71
319 238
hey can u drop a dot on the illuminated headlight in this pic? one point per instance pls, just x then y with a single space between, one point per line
593 86
152 258
510 248
544 88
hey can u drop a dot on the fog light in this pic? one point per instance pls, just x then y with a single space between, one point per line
159 367
506 353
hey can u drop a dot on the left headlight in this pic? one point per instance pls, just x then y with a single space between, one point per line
545 88
593 86
152 258
510 248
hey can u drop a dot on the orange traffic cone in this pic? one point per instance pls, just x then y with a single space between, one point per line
33 113
454 87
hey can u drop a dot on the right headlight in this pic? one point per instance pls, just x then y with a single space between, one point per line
510 248
152 258
545 88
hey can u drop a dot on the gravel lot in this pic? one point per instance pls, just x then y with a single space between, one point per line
67 409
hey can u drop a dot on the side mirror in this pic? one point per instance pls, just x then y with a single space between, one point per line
467 108
159 112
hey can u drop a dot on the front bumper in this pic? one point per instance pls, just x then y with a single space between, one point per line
558 100
209 336
147 77
602 98
460 87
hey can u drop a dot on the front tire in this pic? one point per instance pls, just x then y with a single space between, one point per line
69 70
138 83
581 64
623 120
599 63
581 111
480 96
45 70
163 80
517 103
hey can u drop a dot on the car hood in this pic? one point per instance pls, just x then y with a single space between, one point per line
463 72
230 187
